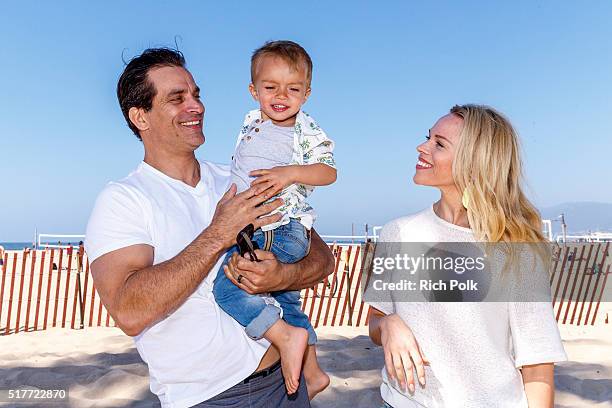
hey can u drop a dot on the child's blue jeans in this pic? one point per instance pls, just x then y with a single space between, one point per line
289 243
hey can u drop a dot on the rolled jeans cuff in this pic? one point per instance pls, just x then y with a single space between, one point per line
260 325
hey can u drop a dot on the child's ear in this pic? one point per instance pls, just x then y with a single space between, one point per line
307 94
253 91
139 118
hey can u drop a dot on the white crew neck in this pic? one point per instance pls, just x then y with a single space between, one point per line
448 224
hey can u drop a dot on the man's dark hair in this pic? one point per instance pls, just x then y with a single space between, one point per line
289 51
134 89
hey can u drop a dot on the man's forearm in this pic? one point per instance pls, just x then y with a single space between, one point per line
314 268
152 293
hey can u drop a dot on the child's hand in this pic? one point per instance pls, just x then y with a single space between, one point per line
271 181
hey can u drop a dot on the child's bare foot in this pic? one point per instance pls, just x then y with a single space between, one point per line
316 379
291 343
316 382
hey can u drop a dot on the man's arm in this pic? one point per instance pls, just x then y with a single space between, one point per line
270 275
137 293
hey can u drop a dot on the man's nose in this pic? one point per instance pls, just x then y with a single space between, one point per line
196 106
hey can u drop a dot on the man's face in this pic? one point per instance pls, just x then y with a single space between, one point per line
176 116
280 89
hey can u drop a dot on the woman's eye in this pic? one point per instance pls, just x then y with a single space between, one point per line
427 137
439 144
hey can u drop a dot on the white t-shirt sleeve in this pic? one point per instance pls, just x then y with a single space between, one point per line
388 234
535 335
118 220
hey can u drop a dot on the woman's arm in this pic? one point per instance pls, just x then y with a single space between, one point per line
400 348
539 384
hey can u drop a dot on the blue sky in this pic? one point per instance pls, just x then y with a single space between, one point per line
383 73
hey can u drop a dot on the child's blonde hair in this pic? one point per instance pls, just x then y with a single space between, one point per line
289 51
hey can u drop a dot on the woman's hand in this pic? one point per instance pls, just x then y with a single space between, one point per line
401 349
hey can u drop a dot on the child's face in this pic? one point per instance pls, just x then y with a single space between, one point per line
280 89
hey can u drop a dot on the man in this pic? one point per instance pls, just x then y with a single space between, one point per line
156 240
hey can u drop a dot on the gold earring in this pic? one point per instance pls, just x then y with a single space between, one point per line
465 198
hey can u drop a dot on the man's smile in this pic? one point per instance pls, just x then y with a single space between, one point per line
192 124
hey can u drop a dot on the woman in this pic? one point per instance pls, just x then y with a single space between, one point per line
497 354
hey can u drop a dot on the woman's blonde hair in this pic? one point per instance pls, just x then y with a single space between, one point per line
487 166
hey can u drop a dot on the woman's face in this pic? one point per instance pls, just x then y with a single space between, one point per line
435 162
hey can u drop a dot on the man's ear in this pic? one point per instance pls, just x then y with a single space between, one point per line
253 91
139 118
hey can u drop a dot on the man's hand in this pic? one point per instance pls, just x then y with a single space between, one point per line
274 180
267 275
270 275
236 211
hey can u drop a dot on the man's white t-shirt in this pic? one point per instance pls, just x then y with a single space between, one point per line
198 351
475 348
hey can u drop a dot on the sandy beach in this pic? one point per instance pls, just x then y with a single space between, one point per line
101 368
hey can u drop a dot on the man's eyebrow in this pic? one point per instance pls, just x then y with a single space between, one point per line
180 91
174 92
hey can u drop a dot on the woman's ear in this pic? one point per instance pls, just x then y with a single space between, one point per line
139 118
253 91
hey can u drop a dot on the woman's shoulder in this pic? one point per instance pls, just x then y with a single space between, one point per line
400 228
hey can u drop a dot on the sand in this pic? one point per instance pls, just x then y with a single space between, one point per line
101 368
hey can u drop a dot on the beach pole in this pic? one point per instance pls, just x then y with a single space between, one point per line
40 284
10 305
47 299
67 289
79 291
348 292
30 286
5 261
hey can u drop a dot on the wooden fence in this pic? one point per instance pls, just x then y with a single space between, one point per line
54 288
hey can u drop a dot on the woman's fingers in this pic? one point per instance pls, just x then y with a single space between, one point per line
407 363
418 365
389 365
423 356
398 367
